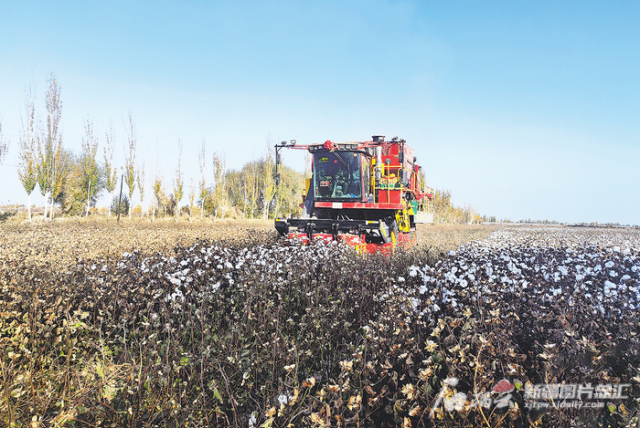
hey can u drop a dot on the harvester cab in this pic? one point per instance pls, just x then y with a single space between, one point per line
368 194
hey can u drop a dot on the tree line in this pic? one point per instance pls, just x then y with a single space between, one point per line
74 182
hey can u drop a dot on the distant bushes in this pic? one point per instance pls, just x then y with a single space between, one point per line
445 212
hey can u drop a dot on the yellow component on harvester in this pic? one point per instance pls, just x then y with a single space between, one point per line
307 186
402 220
394 238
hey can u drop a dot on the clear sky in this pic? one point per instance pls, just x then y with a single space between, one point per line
520 109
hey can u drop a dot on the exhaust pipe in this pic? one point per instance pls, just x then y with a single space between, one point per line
378 163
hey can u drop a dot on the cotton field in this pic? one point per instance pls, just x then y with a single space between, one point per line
452 332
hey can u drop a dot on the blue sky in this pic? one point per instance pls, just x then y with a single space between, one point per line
520 109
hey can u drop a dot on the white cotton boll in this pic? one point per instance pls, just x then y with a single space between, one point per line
609 264
253 420
625 278
563 270
283 399
613 274
400 279
463 283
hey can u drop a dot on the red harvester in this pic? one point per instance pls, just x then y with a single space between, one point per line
368 194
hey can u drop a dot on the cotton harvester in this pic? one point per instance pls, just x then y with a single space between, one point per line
367 194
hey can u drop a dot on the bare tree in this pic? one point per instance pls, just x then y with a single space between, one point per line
130 162
141 185
111 173
89 164
178 183
4 145
50 168
203 182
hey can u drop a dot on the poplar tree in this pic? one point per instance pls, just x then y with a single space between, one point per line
130 162
219 176
141 184
192 197
110 172
4 145
203 182
178 183
252 184
50 168
268 181
89 164
157 191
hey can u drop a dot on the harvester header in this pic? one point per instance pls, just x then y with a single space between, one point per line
369 194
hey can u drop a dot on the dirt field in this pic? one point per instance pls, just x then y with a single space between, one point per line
63 241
